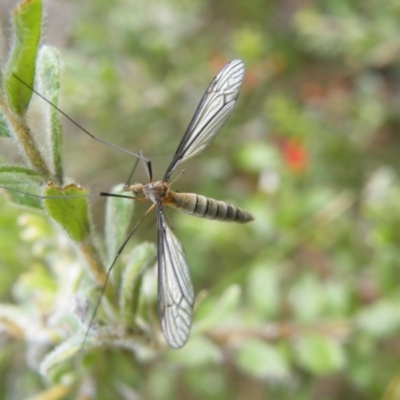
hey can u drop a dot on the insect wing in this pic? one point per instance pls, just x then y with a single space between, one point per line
175 290
214 109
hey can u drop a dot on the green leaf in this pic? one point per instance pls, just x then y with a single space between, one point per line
68 207
59 361
27 17
307 298
261 360
381 319
37 283
23 185
14 316
197 352
256 157
139 259
263 289
4 127
214 311
118 216
319 354
49 86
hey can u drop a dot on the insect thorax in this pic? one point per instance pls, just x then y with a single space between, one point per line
154 191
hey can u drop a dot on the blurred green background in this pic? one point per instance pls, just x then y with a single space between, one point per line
309 291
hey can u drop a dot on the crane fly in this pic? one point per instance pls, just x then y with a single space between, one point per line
175 290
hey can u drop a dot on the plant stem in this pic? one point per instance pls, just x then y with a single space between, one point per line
31 152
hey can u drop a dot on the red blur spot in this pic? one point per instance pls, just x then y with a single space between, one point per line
295 155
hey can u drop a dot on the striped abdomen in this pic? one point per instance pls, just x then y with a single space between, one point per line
204 207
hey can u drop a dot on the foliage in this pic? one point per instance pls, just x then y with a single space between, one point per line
301 303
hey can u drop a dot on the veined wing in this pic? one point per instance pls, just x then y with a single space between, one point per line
175 290
214 109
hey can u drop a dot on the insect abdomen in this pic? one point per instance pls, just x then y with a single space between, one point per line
204 207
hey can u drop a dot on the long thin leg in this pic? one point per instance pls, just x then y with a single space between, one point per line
119 251
129 180
80 126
